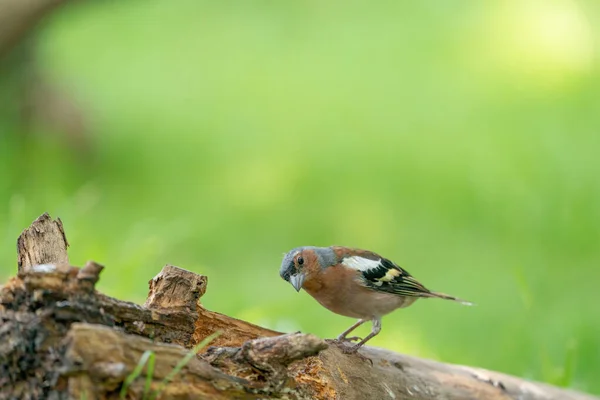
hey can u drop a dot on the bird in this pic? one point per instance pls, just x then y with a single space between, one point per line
354 283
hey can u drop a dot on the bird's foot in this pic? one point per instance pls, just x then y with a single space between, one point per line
343 342
348 339
342 345
347 349
354 351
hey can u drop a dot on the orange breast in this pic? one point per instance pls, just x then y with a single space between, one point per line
338 289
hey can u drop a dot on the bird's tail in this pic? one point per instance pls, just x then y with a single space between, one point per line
448 297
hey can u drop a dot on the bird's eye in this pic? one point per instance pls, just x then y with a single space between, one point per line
300 260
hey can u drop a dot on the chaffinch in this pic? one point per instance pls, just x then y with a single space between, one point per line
354 283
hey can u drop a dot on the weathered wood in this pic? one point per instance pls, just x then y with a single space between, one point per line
176 288
44 242
105 357
60 338
268 358
177 292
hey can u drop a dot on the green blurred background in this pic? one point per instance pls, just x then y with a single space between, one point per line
459 139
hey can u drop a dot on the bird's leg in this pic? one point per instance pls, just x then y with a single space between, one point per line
342 336
374 332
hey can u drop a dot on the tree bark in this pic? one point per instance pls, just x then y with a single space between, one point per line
61 339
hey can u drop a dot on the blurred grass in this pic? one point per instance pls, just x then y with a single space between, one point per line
459 140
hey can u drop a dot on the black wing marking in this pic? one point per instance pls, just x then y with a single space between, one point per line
390 278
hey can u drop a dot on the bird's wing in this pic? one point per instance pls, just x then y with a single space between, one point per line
383 275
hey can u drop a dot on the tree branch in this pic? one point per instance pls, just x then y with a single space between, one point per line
19 17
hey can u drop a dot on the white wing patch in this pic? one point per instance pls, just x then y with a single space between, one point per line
361 263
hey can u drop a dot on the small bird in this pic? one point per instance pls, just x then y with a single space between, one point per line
354 283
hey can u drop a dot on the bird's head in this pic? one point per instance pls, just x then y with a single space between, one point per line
302 262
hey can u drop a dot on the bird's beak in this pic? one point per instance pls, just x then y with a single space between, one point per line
297 281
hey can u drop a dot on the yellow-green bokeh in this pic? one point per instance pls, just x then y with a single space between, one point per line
460 139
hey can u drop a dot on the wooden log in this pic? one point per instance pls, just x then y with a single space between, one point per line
98 359
175 291
60 338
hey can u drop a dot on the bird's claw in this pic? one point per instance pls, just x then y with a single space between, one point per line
354 350
346 349
341 344
349 339
349 349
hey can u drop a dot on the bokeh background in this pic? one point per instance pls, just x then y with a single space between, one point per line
460 139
